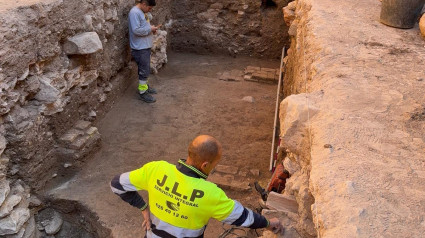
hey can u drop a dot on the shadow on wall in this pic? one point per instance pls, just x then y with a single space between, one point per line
268 3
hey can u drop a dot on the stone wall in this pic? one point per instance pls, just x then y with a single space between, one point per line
350 121
62 64
229 26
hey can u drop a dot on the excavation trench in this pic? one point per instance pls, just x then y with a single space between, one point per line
71 118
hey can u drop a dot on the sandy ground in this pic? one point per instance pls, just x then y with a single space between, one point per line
191 101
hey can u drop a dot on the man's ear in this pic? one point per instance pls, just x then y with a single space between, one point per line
204 165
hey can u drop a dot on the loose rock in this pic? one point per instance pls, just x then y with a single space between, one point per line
54 225
82 44
249 99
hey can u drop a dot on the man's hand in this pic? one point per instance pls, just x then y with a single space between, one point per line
275 225
154 29
146 220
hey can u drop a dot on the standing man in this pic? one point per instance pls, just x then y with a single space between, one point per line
141 33
181 201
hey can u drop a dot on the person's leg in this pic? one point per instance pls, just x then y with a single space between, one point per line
147 62
142 58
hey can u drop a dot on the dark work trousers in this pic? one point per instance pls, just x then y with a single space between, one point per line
143 60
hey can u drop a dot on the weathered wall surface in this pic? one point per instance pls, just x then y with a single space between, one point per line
353 122
61 65
228 26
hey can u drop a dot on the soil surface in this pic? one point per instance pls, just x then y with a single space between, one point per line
191 100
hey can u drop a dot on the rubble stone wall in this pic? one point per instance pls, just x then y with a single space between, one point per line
229 26
62 64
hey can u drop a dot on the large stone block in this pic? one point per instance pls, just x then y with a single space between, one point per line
281 202
9 204
82 44
13 223
295 112
47 93
4 190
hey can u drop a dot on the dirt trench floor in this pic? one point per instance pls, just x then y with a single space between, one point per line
191 100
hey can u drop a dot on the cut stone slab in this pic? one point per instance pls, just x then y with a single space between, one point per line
251 69
54 225
13 223
91 131
80 142
281 202
82 125
9 204
82 44
226 169
294 112
71 135
234 75
229 181
4 190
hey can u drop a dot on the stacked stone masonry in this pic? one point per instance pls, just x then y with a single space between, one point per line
229 26
60 62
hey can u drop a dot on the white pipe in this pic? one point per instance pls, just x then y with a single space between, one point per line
277 108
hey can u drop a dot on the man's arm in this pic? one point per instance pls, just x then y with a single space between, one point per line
245 217
122 186
139 28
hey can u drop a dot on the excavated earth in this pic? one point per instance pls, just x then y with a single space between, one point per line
352 123
191 101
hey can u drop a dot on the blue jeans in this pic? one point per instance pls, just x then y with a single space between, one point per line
143 60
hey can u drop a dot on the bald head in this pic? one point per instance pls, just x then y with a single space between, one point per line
204 148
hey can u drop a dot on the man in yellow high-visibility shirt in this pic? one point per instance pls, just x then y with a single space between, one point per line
181 201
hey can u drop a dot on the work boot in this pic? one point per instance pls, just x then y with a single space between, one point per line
146 97
151 90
